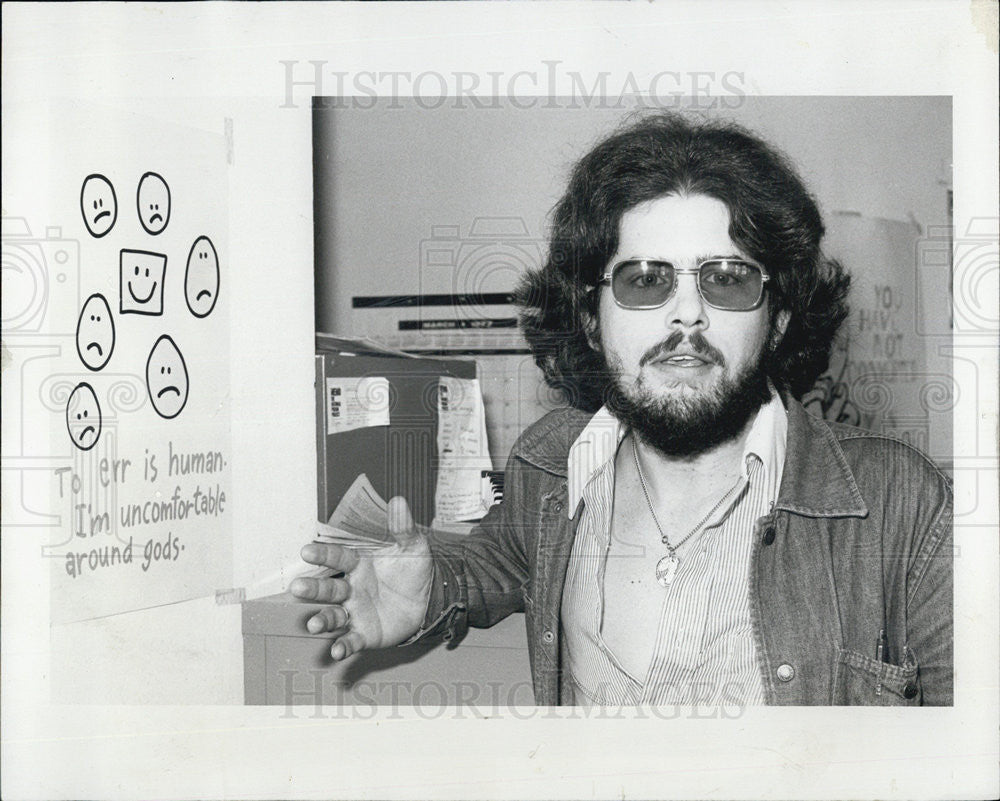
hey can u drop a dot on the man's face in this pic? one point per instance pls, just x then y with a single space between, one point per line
685 358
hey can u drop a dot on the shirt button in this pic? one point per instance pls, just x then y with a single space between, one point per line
909 691
548 637
785 672
768 537
558 506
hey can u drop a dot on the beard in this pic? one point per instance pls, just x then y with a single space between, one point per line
685 424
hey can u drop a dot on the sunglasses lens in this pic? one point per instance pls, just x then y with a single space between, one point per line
731 284
642 284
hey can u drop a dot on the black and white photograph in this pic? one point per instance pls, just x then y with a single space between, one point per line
500 400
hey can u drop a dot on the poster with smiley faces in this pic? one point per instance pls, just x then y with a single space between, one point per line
140 386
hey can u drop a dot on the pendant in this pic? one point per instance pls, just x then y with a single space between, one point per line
665 569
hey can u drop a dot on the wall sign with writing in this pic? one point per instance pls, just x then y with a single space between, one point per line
129 354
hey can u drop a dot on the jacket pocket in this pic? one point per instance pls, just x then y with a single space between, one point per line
860 680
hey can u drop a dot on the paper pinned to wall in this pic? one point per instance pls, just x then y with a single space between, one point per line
356 402
463 452
878 377
122 394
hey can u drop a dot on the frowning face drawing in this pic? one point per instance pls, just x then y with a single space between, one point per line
83 417
166 378
98 205
201 279
95 332
153 203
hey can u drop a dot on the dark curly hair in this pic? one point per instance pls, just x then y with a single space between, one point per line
773 219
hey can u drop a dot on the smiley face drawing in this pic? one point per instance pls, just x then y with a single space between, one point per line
140 282
83 417
166 378
201 279
153 203
95 333
98 204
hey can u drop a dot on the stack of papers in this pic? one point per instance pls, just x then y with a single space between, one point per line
361 519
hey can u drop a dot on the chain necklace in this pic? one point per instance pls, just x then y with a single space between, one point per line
667 566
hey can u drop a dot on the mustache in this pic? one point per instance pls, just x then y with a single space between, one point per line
696 342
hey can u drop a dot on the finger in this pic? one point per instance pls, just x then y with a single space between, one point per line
303 588
329 555
328 619
401 526
348 644
325 590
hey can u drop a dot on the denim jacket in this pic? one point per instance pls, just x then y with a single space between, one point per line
858 542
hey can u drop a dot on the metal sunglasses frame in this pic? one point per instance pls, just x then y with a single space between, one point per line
606 278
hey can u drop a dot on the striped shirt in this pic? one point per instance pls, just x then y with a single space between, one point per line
703 651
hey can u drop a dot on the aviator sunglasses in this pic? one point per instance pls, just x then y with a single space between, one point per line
728 284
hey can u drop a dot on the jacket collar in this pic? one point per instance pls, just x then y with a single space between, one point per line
817 480
546 444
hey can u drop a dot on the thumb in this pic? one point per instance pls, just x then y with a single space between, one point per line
401 527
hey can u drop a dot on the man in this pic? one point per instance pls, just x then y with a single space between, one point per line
684 532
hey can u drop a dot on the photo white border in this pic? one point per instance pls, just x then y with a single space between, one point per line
213 59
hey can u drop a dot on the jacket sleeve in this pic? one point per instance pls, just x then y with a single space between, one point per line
479 578
930 603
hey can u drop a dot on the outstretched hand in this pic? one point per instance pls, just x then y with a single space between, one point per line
381 598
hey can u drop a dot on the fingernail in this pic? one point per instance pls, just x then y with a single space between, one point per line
313 626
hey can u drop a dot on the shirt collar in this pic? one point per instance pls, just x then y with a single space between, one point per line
767 441
598 443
